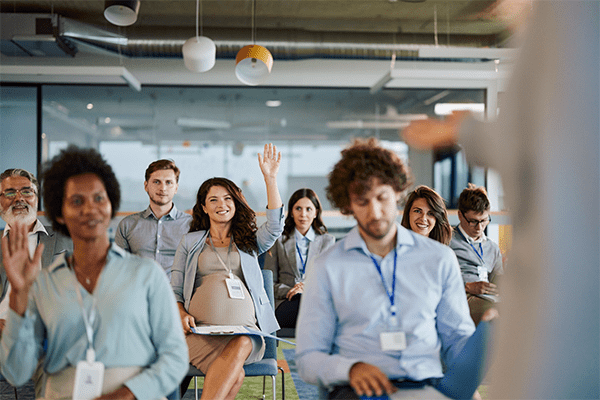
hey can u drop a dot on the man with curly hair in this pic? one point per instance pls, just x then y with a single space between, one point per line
384 307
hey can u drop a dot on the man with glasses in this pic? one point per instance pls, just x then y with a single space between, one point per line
480 259
19 191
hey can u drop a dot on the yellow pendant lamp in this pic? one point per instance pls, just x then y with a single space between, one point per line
253 63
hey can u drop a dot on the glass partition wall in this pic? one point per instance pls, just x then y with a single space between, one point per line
217 131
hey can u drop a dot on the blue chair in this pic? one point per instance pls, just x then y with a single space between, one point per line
265 367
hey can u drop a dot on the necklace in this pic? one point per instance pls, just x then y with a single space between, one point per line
86 278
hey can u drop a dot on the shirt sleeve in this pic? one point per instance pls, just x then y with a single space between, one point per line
270 231
21 345
272 263
120 236
454 323
315 333
171 364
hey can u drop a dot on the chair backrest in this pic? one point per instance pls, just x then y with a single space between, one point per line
270 344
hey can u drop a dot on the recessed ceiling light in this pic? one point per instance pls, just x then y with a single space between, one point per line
89 106
107 120
273 103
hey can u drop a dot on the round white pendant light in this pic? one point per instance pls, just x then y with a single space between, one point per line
121 13
253 64
199 54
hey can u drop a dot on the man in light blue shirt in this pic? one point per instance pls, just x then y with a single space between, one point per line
384 307
155 232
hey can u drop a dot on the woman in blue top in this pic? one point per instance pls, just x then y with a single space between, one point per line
99 303
211 261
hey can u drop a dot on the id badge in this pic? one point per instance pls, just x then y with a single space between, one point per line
483 273
234 287
392 341
89 378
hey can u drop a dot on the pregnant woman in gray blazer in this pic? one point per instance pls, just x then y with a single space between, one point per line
304 238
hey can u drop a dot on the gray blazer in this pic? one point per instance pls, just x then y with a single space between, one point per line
185 265
281 259
54 244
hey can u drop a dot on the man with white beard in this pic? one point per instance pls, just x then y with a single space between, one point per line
19 191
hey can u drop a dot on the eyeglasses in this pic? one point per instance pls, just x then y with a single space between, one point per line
12 193
474 222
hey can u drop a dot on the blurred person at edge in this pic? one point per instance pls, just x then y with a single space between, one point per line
106 305
545 144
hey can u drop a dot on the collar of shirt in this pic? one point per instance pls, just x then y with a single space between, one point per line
61 259
354 240
171 214
482 239
38 227
310 235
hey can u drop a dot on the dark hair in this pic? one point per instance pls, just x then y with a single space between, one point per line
473 198
243 224
160 165
364 160
21 172
442 231
71 162
317 223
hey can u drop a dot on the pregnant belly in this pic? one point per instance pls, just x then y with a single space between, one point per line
212 305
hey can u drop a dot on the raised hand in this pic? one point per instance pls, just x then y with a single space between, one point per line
269 162
21 269
269 166
433 133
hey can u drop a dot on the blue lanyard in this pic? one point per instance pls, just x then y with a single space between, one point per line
302 261
473 247
390 295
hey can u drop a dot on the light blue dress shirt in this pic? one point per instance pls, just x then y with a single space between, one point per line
145 235
137 324
303 242
345 308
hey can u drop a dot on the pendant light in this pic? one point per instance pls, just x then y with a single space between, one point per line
121 13
253 63
199 52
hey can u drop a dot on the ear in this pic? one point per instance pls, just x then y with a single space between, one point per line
146 186
60 220
176 186
204 209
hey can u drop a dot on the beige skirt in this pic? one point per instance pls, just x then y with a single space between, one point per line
60 386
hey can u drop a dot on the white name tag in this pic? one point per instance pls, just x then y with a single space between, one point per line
88 380
392 341
483 273
234 287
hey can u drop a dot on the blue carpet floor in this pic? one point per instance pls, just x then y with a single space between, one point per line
7 392
305 390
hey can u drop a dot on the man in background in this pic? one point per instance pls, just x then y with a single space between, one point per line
19 197
479 258
155 232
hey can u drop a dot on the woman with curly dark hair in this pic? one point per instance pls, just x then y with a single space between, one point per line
426 214
217 280
99 306
304 238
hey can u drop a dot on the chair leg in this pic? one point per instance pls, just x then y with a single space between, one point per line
16 394
282 383
273 380
196 387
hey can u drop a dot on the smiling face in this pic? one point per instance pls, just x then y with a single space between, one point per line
18 208
161 187
219 205
376 210
421 217
86 209
304 213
